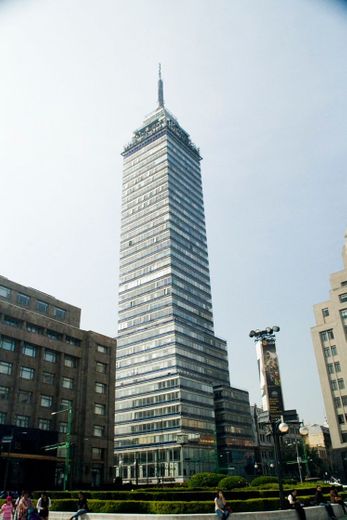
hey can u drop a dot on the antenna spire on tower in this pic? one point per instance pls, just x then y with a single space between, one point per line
160 89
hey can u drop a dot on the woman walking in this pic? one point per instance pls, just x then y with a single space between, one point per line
24 505
7 509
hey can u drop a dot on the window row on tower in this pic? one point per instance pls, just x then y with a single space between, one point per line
130 404
158 184
157 178
139 358
139 230
201 273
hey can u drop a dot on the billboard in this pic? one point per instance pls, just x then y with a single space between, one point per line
270 380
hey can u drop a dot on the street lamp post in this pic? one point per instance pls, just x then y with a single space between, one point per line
136 469
120 469
279 428
181 440
66 445
272 398
303 430
298 458
7 439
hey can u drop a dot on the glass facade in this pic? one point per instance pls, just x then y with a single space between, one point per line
168 358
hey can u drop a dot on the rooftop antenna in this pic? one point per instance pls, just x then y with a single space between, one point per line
160 89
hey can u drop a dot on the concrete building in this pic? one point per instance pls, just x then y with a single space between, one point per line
329 337
168 357
292 445
264 457
48 365
318 439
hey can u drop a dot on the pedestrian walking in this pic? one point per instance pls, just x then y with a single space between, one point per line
82 506
24 505
7 509
43 505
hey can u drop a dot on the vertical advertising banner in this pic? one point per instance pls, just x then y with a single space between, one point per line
270 380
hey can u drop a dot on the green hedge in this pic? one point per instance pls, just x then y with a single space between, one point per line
166 507
63 504
232 482
136 506
179 495
176 506
205 480
266 479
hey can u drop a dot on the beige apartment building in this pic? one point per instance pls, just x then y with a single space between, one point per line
318 439
330 345
56 385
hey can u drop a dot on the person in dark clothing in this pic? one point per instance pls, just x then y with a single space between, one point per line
43 505
294 503
322 501
82 506
336 499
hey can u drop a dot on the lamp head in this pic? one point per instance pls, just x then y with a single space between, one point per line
303 430
252 334
275 328
283 427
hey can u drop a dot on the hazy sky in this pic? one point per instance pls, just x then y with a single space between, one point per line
260 86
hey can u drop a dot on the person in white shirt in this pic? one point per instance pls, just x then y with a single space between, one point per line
220 506
43 505
294 503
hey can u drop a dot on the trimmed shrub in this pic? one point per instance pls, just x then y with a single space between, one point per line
205 480
270 486
266 479
54 494
243 494
255 504
166 507
63 505
181 507
119 506
232 482
290 482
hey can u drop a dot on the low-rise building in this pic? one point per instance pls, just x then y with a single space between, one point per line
318 439
54 377
264 460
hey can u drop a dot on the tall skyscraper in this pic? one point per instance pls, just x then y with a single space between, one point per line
330 345
168 358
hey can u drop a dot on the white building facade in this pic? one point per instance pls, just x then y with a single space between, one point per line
330 345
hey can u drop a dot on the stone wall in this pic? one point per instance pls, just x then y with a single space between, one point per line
312 513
